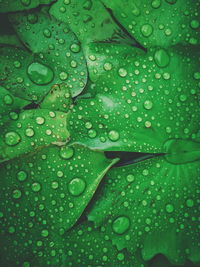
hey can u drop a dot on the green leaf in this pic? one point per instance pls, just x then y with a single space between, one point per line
140 102
25 75
59 98
152 204
10 103
18 5
88 19
87 246
32 130
56 44
159 23
44 194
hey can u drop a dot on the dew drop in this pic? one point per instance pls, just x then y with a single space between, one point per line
130 178
146 30
122 72
75 48
45 233
8 100
76 186
12 138
21 176
161 58
148 104
113 135
16 194
121 225
66 152
40 120
189 203
29 132
36 187
169 208
39 73
26 2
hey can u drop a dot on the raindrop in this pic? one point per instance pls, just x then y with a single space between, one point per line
12 138
121 225
39 73
76 186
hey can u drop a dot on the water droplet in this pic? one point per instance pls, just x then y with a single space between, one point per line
121 225
75 48
45 233
63 76
148 104
36 187
47 33
122 72
29 132
107 66
21 176
194 24
40 120
54 185
66 152
113 135
12 138
39 73
156 3
16 194
92 133
76 186
120 256
146 30
8 100
169 208
130 178
189 203
11 229
161 58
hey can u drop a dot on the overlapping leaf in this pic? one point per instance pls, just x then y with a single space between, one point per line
159 22
31 130
153 205
141 100
56 44
44 194
96 251
18 5
88 19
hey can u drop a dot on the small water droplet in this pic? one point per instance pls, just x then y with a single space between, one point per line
148 104
45 233
113 135
21 176
76 186
66 152
26 2
189 203
36 187
146 30
8 100
63 76
121 225
12 138
29 132
122 72
16 194
75 48
169 208
40 120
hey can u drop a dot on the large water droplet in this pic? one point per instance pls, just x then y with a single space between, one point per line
21 176
121 225
161 58
148 104
113 135
146 30
12 138
76 186
36 187
39 73
66 152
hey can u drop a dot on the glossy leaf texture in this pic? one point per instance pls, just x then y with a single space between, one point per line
56 44
18 5
159 22
82 250
152 204
88 19
43 195
32 130
139 100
